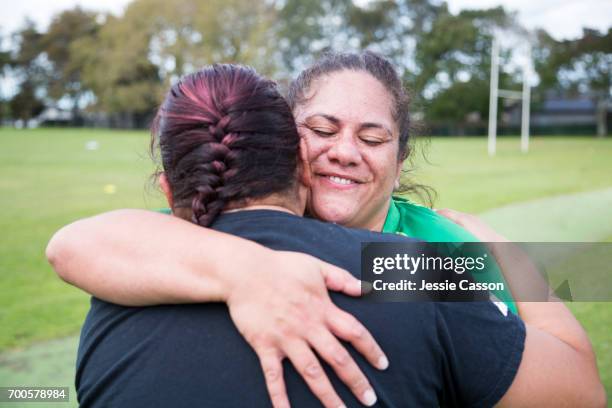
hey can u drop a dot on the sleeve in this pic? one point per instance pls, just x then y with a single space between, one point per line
417 221
482 348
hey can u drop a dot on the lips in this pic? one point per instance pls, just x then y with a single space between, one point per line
339 180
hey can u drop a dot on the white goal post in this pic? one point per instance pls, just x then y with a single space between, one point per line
495 93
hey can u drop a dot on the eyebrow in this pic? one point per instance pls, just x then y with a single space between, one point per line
365 125
331 118
371 125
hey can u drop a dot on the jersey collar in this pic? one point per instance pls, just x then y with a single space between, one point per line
393 218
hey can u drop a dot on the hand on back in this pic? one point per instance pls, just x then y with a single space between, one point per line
283 310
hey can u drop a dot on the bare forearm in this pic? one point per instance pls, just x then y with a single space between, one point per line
558 366
544 311
137 257
557 346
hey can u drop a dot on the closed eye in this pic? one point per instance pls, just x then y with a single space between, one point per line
323 133
372 142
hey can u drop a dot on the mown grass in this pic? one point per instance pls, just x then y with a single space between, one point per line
49 179
467 179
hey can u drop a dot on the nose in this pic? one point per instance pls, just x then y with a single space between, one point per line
344 150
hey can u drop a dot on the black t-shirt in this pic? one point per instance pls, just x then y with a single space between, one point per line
441 354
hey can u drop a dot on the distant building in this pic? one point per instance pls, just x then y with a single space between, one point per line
52 117
559 115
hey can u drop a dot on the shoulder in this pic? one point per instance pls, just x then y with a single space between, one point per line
411 209
421 222
483 348
364 235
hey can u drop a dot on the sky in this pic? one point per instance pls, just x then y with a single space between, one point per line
561 18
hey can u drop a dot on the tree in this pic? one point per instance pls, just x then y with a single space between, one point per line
65 30
5 57
453 104
29 68
453 63
305 29
186 34
131 59
5 64
394 27
116 67
25 105
577 66
390 27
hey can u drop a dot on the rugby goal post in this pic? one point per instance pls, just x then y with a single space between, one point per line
495 93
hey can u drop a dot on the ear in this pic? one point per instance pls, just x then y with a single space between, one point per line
165 186
305 173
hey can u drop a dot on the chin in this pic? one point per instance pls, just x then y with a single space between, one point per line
333 212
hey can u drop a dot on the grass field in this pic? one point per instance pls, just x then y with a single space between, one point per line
49 178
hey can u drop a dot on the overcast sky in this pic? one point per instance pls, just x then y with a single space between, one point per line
561 18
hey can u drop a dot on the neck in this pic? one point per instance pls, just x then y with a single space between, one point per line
293 202
263 207
290 203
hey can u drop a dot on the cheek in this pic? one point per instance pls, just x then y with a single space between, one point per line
384 164
316 146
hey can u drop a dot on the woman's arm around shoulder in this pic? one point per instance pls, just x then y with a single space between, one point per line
279 301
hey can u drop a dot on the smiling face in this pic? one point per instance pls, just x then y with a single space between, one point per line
352 140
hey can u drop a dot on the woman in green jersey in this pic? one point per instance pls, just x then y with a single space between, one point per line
352 113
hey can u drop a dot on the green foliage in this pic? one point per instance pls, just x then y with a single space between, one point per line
25 104
456 102
129 62
121 65
305 29
580 66
576 65
184 34
65 30
29 46
30 71
115 66
454 63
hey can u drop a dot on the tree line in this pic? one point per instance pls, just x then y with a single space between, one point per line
119 66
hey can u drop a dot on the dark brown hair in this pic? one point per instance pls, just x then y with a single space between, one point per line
381 69
369 62
225 135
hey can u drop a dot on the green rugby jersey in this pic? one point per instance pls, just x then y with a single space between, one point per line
416 221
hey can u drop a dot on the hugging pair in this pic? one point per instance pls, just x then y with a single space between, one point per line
235 299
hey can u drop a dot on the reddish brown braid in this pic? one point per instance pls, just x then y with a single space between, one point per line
225 135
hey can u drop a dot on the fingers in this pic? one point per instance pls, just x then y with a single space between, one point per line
307 364
330 349
339 280
345 326
272 366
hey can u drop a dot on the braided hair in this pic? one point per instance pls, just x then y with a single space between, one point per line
225 135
